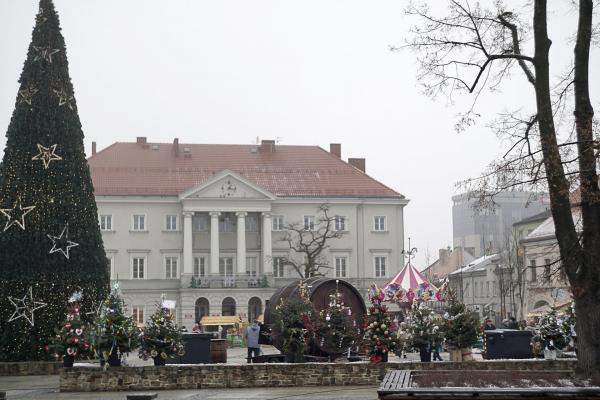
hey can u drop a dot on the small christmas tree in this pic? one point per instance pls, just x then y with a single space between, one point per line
460 326
336 331
551 332
161 338
72 338
380 338
293 324
116 332
424 330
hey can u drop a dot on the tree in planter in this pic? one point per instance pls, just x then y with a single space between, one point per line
551 334
470 49
424 329
50 241
308 239
336 331
293 324
460 327
116 333
380 337
72 339
161 338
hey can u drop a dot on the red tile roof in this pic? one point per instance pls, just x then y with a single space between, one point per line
289 171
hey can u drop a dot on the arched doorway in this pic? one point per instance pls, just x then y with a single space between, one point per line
254 308
202 308
541 303
228 307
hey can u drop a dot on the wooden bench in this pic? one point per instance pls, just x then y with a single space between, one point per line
394 380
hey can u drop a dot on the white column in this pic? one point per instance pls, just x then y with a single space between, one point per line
267 244
241 242
214 242
187 243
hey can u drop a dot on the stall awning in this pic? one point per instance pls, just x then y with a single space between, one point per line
220 320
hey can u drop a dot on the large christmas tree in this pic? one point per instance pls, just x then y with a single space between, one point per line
50 242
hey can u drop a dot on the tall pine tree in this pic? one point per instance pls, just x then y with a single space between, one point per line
50 242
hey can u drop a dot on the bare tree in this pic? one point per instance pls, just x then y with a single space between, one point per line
307 240
472 49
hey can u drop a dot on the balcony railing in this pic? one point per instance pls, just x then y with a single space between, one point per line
242 281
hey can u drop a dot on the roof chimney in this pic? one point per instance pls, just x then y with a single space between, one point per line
176 147
336 149
93 148
141 139
267 146
358 163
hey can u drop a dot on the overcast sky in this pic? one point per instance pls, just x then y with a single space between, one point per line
309 72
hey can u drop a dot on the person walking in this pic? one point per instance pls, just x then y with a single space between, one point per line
489 326
437 349
251 335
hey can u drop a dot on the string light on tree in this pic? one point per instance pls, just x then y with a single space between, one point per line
62 243
47 155
25 307
16 215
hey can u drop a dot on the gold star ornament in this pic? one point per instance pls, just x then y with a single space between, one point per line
16 215
46 155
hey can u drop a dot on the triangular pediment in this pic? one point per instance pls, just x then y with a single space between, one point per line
227 185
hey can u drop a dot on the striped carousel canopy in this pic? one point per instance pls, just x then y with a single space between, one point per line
409 284
407 278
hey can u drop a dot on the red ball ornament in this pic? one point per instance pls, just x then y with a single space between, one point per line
67 326
75 340
86 346
46 348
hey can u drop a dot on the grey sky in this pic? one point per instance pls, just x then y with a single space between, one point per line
305 71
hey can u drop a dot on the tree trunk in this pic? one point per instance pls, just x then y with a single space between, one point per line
585 279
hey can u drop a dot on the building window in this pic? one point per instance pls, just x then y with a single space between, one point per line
380 266
547 268
533 267
200 223
139 222
379 223
137 313
226 266
199 267
340 267
110 267
171 267
226 223
252 223
251 266
340 223
138 267
278 265
171 222
309 223
106 223
278 223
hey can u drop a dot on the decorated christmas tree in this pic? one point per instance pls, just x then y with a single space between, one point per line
380 337
460 326
161 338
116 333
72 339
551 332
336 331
50 242
293 324
424 329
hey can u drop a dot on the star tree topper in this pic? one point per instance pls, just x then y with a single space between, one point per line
25 307
16 215
46 155
62 243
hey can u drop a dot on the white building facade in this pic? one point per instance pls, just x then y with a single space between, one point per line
203 224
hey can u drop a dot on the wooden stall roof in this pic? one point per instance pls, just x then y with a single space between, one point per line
220 320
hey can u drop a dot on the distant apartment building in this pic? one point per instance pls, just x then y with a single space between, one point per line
486 231
203 224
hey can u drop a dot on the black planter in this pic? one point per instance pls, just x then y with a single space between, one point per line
114 360
68 361
159 361
425 353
